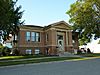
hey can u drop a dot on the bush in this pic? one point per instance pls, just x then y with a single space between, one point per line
4 50
16 52
7 51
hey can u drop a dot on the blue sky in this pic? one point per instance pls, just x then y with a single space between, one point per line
44 12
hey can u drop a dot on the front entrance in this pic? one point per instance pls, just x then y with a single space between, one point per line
61 45
60 42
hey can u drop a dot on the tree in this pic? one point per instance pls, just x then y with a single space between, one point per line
99 42
85 18
4 50
10 17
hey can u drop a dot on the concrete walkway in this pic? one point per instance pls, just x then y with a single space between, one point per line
67 54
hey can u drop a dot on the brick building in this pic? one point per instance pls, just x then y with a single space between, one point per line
45 40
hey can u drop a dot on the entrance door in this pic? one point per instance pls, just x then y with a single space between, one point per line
61 45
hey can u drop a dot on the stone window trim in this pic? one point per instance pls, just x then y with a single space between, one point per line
33 36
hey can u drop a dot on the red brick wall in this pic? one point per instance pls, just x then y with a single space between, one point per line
23 44
42 45
21 37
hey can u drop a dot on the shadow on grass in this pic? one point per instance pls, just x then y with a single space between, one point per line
37 60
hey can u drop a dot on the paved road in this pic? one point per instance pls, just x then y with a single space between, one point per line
86 67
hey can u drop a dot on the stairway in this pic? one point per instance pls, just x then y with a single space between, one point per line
67 54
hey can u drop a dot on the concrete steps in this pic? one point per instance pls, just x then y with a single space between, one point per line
67 54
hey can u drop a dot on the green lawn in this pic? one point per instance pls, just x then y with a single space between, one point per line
11 57
36 60
90 55
20 57
6 60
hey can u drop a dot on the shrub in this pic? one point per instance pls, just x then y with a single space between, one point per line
16 52
4 50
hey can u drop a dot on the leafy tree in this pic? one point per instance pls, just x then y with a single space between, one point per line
85 18
1 48
99 42
10 17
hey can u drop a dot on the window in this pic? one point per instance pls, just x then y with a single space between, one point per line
60 37
28 51
35 36
28 36
37 51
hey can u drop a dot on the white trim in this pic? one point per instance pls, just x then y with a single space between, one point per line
31 30
67 38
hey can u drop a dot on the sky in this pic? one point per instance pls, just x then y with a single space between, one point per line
44 12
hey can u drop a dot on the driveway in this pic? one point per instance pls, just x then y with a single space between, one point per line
84 67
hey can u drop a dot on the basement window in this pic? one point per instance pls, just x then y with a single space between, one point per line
28 51
37 51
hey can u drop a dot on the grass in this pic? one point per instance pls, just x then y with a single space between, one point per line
20 57
37 60
10 57
90 55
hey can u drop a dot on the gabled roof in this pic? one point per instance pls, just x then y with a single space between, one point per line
60 24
